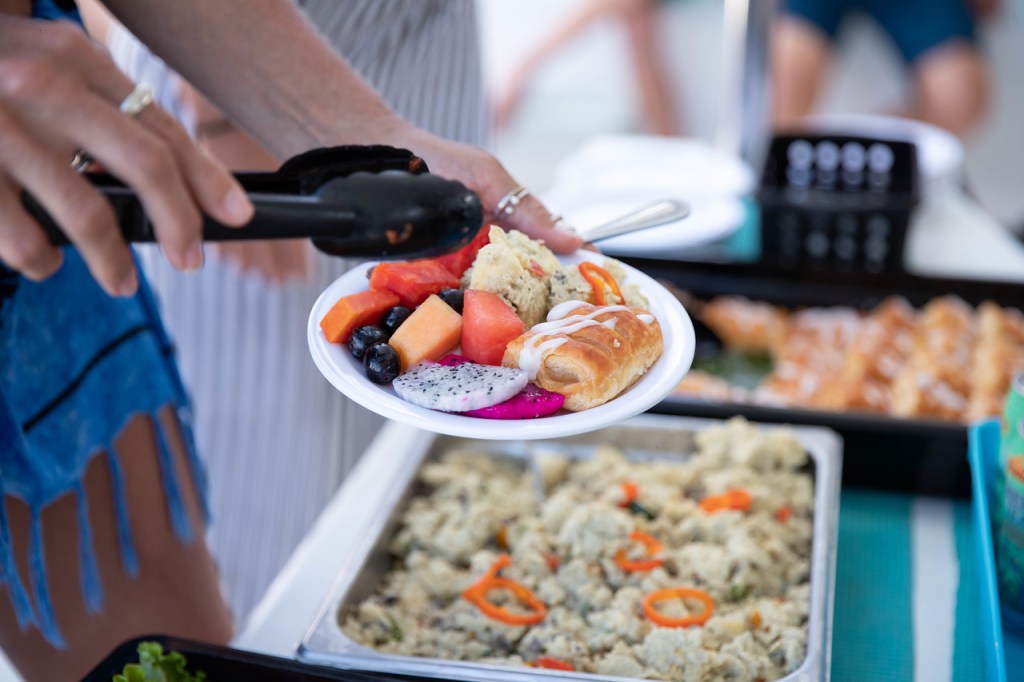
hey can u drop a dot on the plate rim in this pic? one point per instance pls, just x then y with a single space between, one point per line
675 362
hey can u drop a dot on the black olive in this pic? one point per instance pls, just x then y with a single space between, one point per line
454 298
364 337
382 364
394 318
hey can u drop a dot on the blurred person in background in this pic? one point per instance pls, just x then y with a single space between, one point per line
658 112
936 38
102 516
277 438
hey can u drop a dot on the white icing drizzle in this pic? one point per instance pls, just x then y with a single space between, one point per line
645 318
533 354
543 339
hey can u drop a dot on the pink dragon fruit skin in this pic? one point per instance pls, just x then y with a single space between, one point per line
533 401
453 360
530 403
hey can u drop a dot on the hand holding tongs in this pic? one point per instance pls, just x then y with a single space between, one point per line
376 202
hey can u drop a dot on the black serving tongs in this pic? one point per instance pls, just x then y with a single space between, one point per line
372 202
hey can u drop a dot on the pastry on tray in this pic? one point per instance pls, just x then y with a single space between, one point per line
945 361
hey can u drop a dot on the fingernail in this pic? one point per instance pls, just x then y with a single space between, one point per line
237 207
194 257
129 285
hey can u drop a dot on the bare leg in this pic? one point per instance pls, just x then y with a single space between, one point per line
952 86
588 13
657 102
176 591
800 56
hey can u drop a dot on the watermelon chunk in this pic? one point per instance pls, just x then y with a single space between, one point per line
488 324
459 261
412 280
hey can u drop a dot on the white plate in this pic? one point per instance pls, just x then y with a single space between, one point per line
336 363
711 219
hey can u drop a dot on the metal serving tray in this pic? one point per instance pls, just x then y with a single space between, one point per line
642 438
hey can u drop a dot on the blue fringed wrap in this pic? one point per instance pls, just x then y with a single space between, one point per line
75 366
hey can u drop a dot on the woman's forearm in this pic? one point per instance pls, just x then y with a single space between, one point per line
262 64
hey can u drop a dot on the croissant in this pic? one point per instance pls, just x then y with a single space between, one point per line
589 354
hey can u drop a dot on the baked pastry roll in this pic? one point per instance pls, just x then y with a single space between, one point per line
589 354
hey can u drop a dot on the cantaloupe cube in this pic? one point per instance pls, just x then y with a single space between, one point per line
432 330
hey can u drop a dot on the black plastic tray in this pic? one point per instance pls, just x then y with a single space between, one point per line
889 453
223 664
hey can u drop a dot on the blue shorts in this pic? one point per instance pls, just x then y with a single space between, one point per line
916 26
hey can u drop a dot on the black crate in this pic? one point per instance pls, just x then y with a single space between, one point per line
223 663
837 202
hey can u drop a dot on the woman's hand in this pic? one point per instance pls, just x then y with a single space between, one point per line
59 93
485 175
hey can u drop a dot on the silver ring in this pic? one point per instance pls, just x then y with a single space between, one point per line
137 100
80 160
563 225
132 105
508 203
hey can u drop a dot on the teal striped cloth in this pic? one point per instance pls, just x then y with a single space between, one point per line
873 636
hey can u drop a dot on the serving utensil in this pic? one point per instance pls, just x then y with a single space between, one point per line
649 215
377 202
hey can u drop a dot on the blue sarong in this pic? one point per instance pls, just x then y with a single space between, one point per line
76 365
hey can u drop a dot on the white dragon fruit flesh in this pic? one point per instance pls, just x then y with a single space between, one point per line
468 386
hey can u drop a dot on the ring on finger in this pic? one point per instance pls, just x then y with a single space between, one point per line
132 105
507 205
137 100
563 225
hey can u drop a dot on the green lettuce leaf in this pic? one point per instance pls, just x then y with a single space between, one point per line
156 666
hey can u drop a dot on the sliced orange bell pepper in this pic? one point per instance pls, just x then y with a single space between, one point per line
653 547
476 594
652 599
596 276
736 499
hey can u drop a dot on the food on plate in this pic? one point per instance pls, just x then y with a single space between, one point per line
587 353
458 387
489 324
458 262
517 269
356 310
412 281
432 330
486 570
364 337
455 298
945 361
394 318
511 311
157 666
594 284
382 363
530 403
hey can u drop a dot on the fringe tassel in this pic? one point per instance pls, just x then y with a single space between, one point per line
92 589
37 570
129 557
198 470
175 506
9 573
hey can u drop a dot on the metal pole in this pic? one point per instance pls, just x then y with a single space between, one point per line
744 112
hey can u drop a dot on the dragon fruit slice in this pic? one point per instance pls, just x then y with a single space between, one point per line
453 360
468 386
533 401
